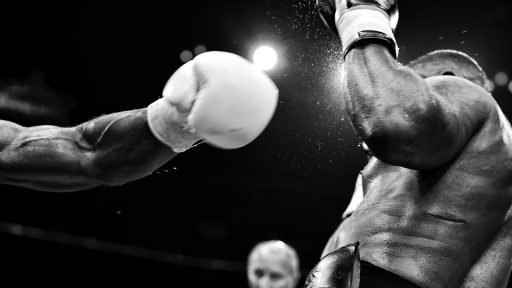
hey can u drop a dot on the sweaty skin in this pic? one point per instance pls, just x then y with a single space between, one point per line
109 150
438 190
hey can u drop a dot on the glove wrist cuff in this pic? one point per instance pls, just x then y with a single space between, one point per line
363 23
170 126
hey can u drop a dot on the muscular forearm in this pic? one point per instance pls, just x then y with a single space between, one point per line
378 86
382 93
109 150
123 147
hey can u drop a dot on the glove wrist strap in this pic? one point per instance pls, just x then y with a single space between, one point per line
364 23
168 126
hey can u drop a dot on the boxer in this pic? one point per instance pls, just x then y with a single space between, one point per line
437 190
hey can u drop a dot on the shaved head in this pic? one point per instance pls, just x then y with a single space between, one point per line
273 264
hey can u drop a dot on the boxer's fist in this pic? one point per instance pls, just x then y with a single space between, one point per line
219 97
356 20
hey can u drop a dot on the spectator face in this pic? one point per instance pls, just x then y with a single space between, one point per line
270 269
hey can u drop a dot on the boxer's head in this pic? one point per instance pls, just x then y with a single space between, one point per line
450 62
273 264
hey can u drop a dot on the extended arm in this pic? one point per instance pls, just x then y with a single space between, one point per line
109 150
219 97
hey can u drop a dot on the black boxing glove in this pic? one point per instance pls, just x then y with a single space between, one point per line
361 20
340 268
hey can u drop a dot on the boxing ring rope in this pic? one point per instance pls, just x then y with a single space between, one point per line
121 249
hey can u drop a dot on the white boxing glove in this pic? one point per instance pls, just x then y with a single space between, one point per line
219 97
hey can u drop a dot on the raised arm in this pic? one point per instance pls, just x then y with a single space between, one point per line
109 150
407 120
404 119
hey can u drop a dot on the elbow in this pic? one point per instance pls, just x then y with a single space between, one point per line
397 138
390 142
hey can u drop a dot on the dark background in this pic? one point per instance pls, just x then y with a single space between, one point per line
193 221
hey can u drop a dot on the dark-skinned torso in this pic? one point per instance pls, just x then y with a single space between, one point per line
433 227
444 221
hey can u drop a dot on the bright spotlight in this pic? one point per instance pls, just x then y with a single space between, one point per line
265 57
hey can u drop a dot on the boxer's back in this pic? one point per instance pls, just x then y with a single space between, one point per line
432 227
